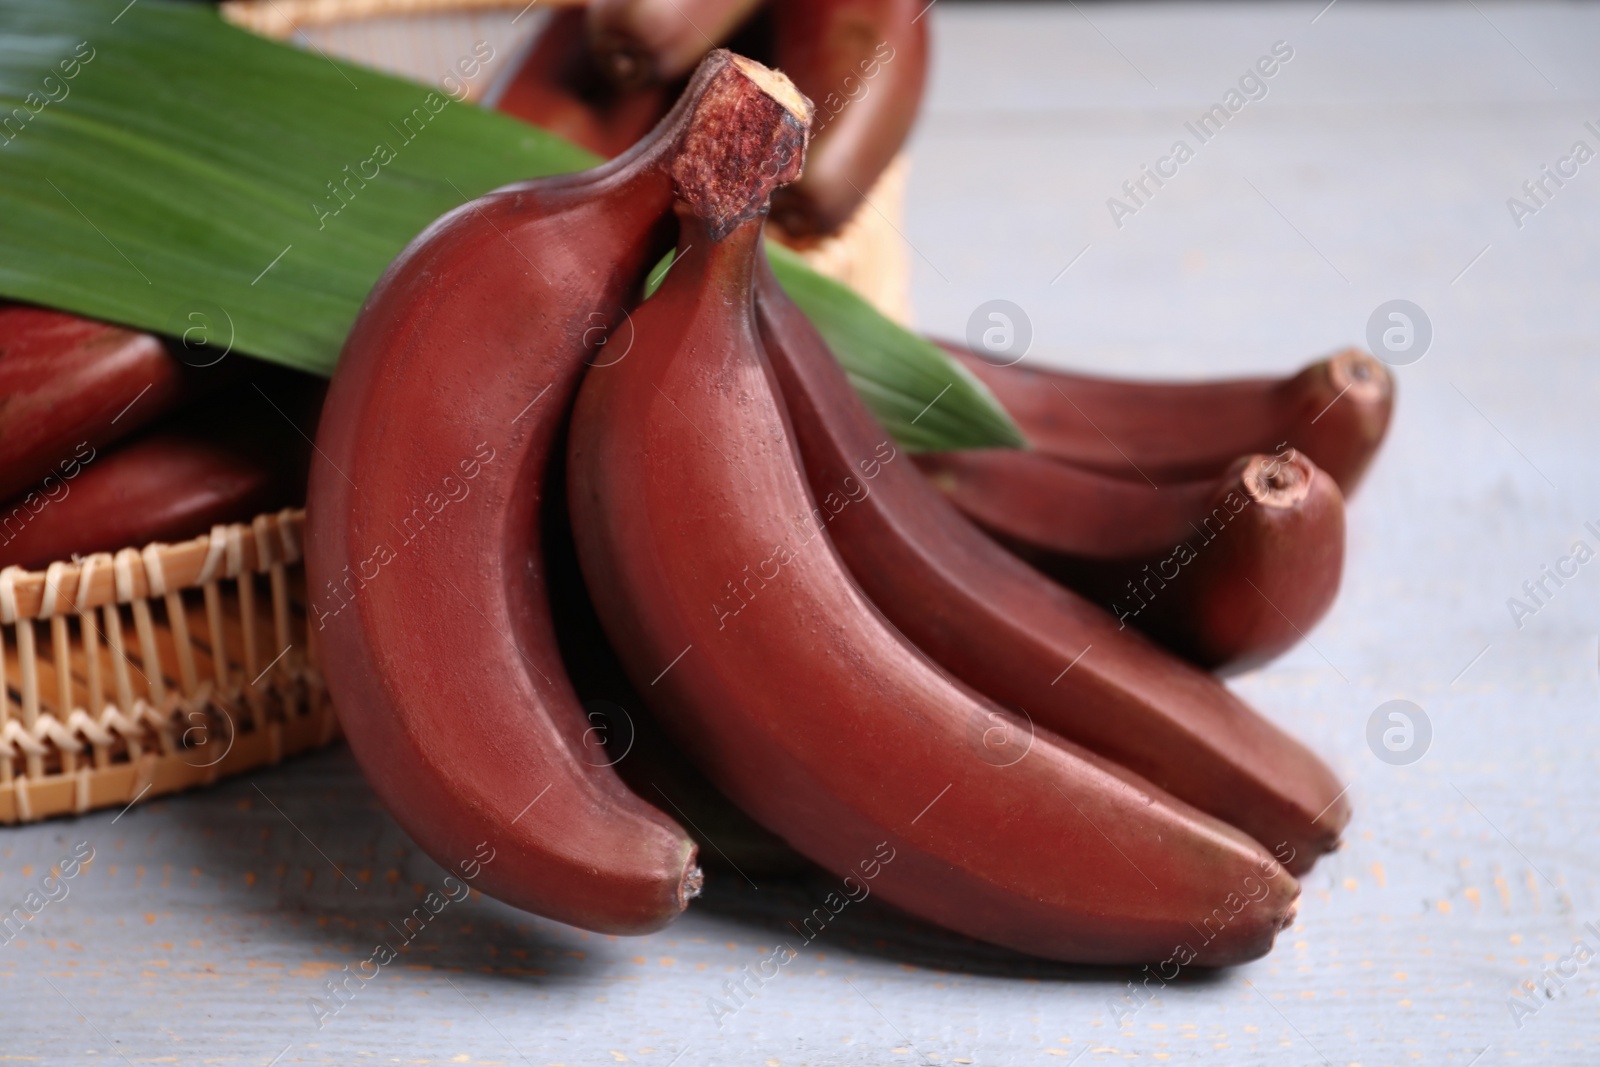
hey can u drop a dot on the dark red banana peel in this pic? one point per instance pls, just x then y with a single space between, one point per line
624 733
812 712
1229 573
1259 568
70 386
1336 411
1021 639
863 63
423 549
639 42
233 458
560 87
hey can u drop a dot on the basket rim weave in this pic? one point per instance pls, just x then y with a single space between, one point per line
65 587
235 664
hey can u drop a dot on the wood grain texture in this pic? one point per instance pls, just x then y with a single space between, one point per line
1378 166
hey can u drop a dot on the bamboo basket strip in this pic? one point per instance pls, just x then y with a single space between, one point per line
131 675
284 18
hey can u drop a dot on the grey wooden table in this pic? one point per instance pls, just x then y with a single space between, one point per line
1377 166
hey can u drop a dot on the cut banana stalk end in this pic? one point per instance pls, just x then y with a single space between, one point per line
776 84
747 113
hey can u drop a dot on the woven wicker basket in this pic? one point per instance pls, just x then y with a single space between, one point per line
129 676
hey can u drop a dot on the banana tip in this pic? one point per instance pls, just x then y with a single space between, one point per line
694 881
1359 377
1278 481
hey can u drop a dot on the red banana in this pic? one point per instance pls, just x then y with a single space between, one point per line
864 63
70 386
811 711
1024 641
1229 572
423 545
623 733
561 88
638 42
1336 411
228 463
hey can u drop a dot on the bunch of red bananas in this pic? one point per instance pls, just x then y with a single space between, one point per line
111 438
1209 515
603 75
853 663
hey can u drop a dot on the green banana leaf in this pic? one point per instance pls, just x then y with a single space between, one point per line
162 169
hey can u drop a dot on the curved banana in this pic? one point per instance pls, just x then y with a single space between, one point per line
1021 639
559 86
864 63
1229 571
69 386
423 549
641 41
1336 411
223 461
811 711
